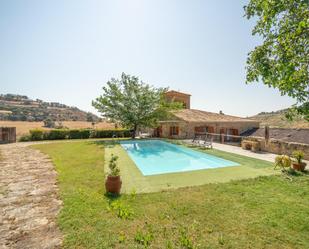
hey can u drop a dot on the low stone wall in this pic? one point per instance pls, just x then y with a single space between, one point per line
281 147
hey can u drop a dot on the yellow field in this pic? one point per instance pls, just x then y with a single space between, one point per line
23 127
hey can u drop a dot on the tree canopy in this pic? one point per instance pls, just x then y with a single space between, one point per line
133 103
282 60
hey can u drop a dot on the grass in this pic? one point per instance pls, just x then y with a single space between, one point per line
264 212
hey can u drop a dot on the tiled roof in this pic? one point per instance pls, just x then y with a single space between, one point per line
192 115
176 92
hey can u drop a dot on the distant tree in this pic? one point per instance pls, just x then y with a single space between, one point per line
282 60
89 117
132 103
49 123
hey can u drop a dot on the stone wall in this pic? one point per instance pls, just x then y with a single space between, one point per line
178 97
182 129
281 147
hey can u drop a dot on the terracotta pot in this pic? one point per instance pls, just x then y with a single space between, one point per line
113 184
299 167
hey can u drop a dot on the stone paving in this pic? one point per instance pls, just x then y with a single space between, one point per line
29 200
238 150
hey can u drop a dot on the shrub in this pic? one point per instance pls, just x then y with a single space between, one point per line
109 133
49 123
36 135
79 134
56 134
283 161
24 138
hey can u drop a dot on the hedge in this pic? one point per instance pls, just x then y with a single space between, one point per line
109 133
56 134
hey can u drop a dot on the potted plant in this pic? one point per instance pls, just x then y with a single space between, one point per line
298 155
113 182
283 161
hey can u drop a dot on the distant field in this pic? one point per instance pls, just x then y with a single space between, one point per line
23 127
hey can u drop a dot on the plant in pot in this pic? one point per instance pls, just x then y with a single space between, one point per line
283 161
299 165
113 182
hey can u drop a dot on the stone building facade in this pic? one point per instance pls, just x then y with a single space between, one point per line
179 97
186 123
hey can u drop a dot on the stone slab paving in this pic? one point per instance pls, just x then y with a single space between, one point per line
266 156
29 200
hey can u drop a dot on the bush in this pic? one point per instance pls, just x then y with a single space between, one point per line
283 161
109 133
56 134
24 138
79 134
36 135
49 123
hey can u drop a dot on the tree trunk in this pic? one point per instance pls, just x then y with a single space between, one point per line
134 131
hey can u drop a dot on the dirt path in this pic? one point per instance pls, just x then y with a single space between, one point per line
29 202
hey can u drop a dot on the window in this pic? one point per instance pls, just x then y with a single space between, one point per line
174 130
210 129
199 129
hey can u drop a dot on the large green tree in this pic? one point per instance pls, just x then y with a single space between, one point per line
282 60
133 103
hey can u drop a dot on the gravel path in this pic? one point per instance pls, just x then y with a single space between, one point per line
29 202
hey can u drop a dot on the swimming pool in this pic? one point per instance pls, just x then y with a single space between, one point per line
159 157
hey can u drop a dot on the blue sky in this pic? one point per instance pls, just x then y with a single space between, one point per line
65 51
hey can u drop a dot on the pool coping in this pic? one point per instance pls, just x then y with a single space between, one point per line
134 180
188 150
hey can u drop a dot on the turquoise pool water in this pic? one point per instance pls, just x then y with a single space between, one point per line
159 157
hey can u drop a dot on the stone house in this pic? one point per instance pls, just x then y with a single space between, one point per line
179 97
185 123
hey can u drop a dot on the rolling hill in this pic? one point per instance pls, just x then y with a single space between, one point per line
15 107
277 119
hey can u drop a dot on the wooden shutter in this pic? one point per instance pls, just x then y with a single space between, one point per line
210 129
177 130
171 130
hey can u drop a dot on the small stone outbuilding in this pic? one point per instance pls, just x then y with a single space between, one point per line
7 135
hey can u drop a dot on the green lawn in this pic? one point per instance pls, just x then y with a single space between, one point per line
264 212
